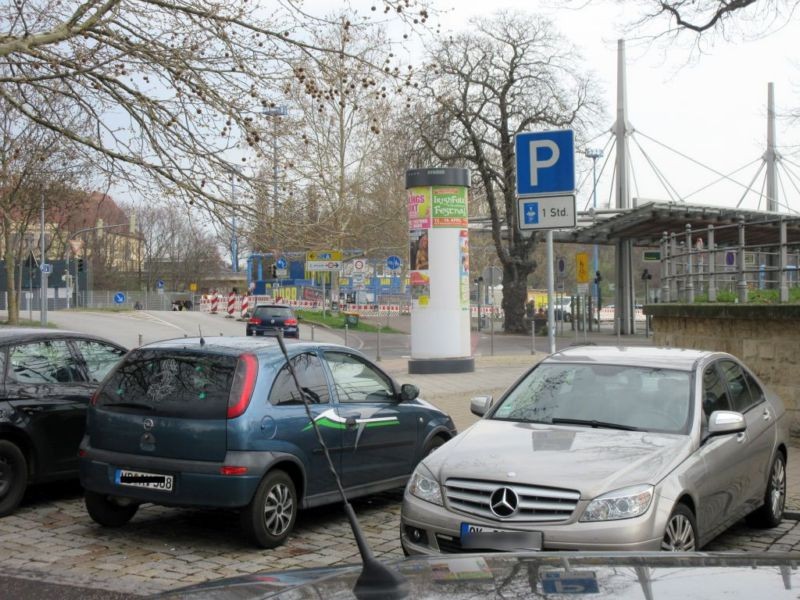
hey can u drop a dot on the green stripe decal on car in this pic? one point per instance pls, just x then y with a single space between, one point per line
331 420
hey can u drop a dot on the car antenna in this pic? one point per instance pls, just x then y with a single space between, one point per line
202 339
377 581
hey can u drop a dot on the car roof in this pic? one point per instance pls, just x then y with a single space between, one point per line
266 347
28 334
273 306
681 359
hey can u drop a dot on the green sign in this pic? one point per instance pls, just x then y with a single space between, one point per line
652 256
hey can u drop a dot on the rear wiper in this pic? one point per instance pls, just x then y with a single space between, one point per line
129 405
593 423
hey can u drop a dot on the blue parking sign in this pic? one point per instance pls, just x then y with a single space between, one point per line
545 162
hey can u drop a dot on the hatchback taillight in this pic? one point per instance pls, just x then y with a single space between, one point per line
254 321
290 322
244 381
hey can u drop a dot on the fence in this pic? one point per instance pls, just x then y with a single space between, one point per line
692 264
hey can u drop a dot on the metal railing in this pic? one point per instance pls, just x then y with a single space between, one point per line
693 265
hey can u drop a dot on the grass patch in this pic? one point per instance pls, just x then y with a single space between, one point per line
29 323
337 321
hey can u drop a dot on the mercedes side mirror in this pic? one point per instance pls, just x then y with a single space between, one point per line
722 422
480 404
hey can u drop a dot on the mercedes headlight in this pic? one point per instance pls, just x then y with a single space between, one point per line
619 504
424 486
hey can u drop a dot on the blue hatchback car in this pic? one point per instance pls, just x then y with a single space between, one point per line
220 423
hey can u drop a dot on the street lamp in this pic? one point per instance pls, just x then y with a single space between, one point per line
594 154
275 111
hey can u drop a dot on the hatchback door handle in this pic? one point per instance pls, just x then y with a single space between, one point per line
351 421
766 416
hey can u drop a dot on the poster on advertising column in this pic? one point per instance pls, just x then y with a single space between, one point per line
463 279
449 206
419 208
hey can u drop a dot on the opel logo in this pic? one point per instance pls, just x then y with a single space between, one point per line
504 502
148 424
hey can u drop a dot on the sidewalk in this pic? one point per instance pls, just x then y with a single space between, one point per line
494 374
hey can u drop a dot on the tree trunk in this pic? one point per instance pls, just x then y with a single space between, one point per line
11 281
515 294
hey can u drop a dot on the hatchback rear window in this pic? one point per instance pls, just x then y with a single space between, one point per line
273 312
171 384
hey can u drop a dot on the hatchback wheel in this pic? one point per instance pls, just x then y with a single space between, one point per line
771 512
13 477
269 518
680 534
109 511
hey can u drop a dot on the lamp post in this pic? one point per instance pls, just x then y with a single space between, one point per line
275 111
594 154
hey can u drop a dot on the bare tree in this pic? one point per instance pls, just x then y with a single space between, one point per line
172 90
512 73
177 249
35 167
729 19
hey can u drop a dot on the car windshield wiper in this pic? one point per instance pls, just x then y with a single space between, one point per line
593 423
129 405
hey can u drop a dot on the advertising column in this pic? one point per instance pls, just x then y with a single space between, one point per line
439 270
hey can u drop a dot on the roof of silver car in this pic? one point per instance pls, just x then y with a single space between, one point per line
641 356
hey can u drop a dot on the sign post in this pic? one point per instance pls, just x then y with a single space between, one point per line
546 194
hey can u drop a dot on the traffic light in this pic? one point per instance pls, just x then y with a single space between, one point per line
274 271
597 280
80 265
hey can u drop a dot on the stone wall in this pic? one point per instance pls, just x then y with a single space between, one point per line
765 337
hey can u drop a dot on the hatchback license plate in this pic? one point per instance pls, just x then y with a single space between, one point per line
493 538
152 481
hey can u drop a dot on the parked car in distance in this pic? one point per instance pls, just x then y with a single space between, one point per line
271 319
606 448
46 380
220 423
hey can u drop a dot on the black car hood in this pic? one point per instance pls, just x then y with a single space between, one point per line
618 576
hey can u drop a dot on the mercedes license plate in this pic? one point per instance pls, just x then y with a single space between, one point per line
152 481
480 537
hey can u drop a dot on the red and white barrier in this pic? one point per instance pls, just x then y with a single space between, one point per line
214 304
245 306
231 304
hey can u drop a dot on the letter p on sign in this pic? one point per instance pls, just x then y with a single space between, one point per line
552 153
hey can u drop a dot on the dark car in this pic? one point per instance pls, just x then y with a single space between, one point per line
46 380
270 319
220 423
598 576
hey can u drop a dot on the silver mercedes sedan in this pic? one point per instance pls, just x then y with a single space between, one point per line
606 448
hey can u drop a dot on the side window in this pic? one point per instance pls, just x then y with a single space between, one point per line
98 357
356 381
756 393
43 362
715 393
741 399
311 375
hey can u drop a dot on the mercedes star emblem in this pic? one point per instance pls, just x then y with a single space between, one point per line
148 424
504 502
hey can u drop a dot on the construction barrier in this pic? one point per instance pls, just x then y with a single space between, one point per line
214 304
231 304
245 307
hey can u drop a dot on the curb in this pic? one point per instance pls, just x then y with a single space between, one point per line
792 515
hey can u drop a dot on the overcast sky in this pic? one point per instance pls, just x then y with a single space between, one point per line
711 107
